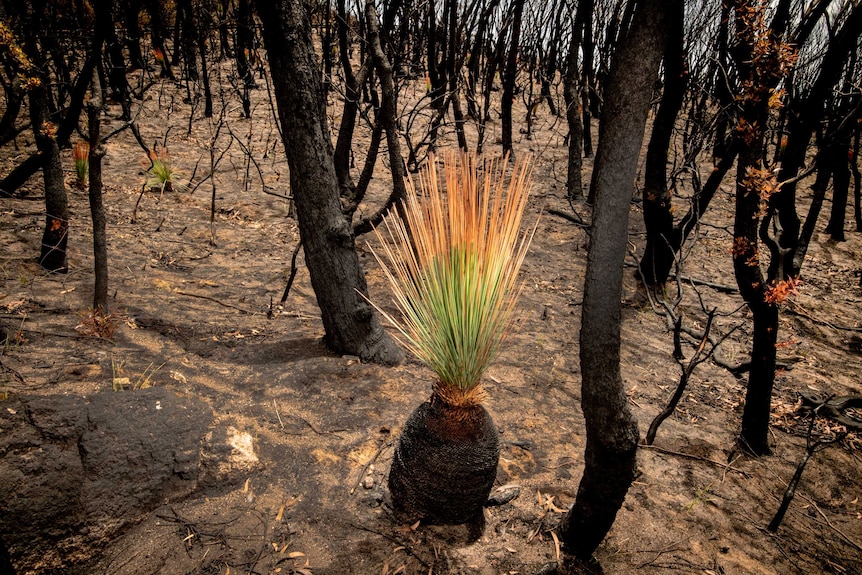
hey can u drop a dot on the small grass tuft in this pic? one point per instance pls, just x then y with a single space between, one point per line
160 174
81 153
122 382
14 339
98 322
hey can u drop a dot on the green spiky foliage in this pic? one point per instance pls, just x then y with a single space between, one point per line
161 174
453 263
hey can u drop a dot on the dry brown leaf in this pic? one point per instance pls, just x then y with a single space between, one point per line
556 545
298 554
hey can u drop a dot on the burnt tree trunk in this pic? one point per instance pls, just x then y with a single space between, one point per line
96 153
857 177
116 67
327 237
571 93
202 34
660 249
387 118
131 15
436 73
352 92
757 82
52 255
453 74
587 7
491 66
244 43
158 32
509 76
804 116
97 208
612 430
838 150
185 38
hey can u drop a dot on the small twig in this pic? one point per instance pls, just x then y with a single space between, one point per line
716 286
292 272
311 426
43 333
367 465
843 535
277 414
694 457
395 540
212 299
797 309
666 549
696 359
810 449
135 210
570 217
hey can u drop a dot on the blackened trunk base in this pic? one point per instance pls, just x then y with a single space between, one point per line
444 465
608 473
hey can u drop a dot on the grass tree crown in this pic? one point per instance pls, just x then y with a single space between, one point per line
453 262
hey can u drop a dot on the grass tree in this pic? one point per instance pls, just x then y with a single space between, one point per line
453 266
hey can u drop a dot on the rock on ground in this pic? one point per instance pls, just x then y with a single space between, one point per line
75 470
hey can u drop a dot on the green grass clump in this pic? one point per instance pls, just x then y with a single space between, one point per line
160 174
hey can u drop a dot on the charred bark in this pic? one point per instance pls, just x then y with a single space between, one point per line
571 93
612 430
244 43
96 153
751 196
445 464
660 251
157 36
510 74
804 116
838 152
387 118
328 240
353 83
52 255
587 7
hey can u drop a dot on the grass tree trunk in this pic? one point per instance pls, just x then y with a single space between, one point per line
327 237
612 430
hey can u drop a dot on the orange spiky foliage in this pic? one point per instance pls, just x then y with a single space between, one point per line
453 267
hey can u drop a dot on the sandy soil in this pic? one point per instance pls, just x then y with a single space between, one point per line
194 318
